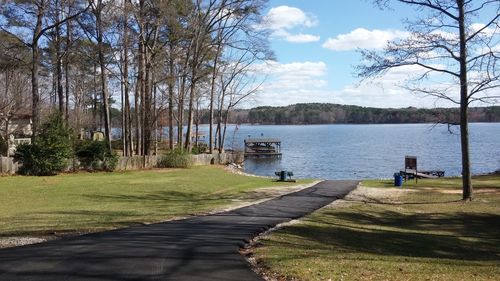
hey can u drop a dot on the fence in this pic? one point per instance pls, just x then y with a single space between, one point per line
8 166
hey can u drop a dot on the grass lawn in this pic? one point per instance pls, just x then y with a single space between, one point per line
96 201
423 232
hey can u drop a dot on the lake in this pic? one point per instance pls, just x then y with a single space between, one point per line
368 151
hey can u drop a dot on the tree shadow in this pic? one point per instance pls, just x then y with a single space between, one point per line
163 197
459 237
374 200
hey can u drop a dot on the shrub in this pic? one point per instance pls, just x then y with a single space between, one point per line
95 155
117 144
200 148
175 159
49 154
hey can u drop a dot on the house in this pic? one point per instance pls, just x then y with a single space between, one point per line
16 128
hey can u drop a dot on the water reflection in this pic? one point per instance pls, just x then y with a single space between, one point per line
263 165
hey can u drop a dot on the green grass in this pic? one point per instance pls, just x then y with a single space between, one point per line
428 234
96 201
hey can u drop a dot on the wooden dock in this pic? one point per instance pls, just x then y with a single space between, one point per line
408 173
262 147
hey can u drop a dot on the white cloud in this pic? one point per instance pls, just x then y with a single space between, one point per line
283 19
305 82
478 26
290 82
302 38
388 90
485 50
363 38
295 38
295 69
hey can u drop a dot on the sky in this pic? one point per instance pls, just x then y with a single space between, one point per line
316 42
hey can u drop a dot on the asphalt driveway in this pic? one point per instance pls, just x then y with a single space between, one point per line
198 248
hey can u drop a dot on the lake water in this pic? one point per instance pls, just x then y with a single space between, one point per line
368 151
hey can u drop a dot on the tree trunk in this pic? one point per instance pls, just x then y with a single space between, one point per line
67 67
104 86
180 117
137 117
35 109
7 135
464 103
141 81
219 123
211 108
94 101
147 108
223 138
122 101
192 94
127 135
197 122
59 77
155 114
171 81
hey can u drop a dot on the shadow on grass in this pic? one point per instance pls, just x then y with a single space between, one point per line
125 210
458 237
482 181
175 196
75 221
374 200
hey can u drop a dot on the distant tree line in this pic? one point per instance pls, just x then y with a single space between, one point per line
326 113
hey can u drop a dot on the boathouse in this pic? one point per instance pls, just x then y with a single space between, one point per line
262 147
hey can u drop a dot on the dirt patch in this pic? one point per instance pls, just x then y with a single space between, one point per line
7 242
363 194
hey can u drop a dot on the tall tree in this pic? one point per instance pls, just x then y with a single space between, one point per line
31 16
14 82
214 25
97 10
127 122
455 41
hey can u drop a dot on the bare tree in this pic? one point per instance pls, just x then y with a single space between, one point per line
237 83
31 16
217 26
127 122
234 19
163 54
14 82
447 42
97 9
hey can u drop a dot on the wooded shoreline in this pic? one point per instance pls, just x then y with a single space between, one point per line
326 113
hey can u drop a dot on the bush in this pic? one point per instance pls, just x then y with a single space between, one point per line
175 159
117 144
49 154
200 148
95 155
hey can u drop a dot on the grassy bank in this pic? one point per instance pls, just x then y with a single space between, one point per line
420 232
97 201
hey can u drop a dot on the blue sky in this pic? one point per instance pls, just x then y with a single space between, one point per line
315 43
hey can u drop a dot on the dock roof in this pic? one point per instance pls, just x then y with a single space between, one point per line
261 140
